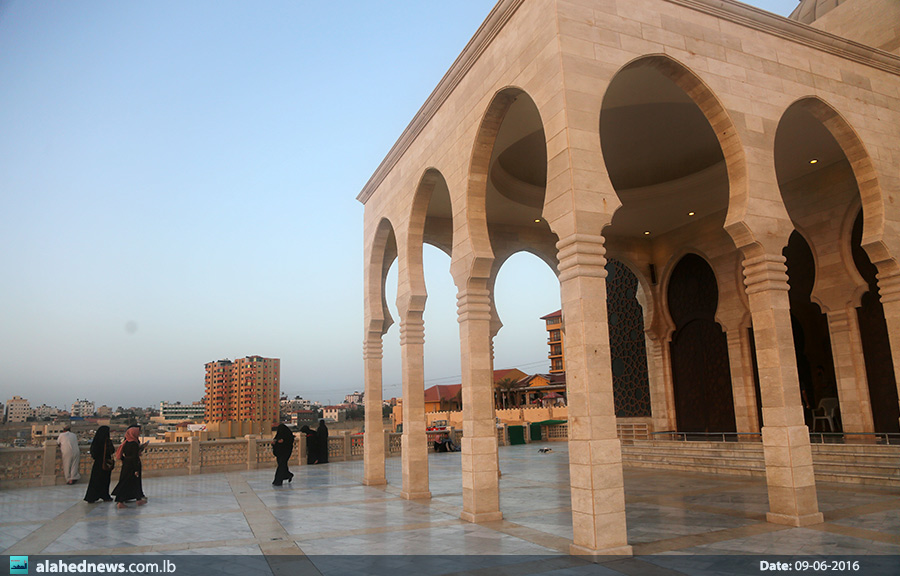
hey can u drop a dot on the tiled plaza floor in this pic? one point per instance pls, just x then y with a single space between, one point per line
327 513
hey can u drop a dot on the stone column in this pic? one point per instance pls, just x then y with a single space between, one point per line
48 464
251 452
595 454
480 467
889 291
414 452
742 386
194 458
850 371
373 441
789 470
659 397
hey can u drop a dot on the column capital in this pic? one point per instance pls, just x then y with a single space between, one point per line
372 348
838 320
412 329
766 272
473 304
581 255
888 286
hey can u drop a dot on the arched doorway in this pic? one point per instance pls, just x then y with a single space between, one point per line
812 343
700 371
875 342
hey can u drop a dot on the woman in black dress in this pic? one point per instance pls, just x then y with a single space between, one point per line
282 448
322 437
129 486
312 445
102 451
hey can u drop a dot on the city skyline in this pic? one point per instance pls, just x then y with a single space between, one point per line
177 177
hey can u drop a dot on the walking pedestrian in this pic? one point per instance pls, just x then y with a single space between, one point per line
282 448
130 486
103 452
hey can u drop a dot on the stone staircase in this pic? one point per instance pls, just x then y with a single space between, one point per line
848 463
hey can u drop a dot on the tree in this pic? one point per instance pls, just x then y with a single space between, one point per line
506 387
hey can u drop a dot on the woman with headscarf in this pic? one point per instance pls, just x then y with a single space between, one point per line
282 448
322 437
129 486
312 445
103 452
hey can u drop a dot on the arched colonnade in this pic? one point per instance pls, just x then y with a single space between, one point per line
649 166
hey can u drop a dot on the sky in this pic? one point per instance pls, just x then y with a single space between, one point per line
178 185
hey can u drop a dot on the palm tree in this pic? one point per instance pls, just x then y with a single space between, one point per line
506 386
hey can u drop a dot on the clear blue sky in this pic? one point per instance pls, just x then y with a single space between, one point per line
179 178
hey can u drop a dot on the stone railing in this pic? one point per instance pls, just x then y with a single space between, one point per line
20 467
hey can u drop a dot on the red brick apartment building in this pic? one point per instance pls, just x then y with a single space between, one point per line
243 389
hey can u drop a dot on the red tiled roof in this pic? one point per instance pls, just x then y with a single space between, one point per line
514 373
557 314
442 392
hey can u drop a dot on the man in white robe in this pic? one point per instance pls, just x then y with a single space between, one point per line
71 455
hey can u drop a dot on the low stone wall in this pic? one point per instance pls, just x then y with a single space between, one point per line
22 467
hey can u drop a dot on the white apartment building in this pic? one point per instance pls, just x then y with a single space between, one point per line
336 413
355 398
43 411
18 409
82 409
170 411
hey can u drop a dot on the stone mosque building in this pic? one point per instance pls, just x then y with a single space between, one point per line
723 181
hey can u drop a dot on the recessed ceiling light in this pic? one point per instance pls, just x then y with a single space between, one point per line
690 213
537 220
813 161
647 233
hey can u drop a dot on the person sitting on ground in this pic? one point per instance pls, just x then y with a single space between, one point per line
445 444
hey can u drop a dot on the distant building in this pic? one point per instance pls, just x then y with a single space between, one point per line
555 341
301 417
247 389
336 413
178 412
82 409
18 409
355 398
289 405
44 412
104 411
443 398
41 432
2 413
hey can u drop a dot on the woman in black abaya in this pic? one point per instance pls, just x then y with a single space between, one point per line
322 438
130 486
282 447
103 453
312 445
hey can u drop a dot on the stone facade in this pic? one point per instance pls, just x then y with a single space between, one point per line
646 131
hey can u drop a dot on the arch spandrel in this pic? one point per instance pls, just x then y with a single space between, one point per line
875 241
381 252
845 159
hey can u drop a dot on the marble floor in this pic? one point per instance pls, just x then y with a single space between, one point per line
678 523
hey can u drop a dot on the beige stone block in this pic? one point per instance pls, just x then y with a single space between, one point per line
611 532
781 500
583 529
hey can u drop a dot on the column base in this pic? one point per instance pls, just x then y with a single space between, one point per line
600 555
415 495
789 520
374 481
482 517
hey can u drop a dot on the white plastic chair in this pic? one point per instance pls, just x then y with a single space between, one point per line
825 411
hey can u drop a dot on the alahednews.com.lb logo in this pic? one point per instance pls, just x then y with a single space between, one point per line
18 564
